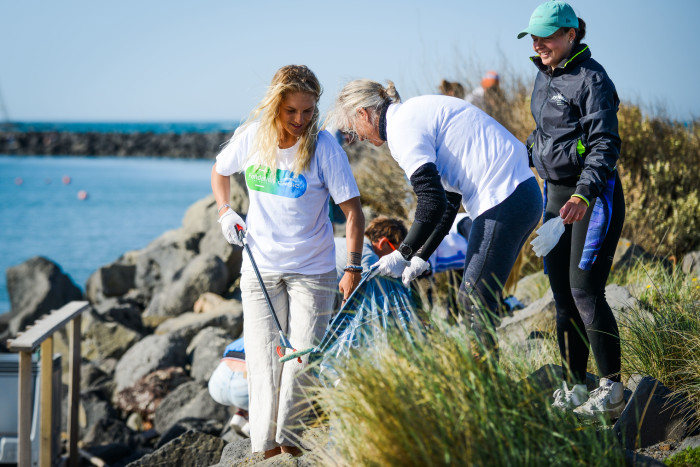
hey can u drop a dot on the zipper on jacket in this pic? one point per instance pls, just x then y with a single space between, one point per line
544 102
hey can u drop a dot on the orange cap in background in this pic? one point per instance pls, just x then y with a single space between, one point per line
490 79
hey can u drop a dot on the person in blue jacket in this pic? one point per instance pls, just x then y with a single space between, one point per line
575 148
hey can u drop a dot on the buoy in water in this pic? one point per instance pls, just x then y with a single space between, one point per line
66 180
82 195
18 181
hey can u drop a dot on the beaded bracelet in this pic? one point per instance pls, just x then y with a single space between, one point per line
353 268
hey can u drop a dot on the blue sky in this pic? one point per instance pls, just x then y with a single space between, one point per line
208 60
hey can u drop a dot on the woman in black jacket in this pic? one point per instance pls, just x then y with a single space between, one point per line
574 148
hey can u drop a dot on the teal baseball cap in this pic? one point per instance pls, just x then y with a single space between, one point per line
549 17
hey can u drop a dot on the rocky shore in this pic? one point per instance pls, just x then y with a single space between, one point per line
176 145
161 317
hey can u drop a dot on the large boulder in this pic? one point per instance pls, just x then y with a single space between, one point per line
228 315
103 339
206 350
193 449
531 287
653 414
36 287
535 319
189 400
691 264
205 273
149 354
163 258
113 280
202 216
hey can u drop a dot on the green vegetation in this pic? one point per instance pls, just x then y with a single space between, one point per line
432 403
661 335
687 458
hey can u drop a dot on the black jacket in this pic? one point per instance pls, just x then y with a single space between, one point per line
576 141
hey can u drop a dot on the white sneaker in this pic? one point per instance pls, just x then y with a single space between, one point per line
239 422
607 400
565 399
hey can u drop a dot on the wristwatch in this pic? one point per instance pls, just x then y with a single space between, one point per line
406 251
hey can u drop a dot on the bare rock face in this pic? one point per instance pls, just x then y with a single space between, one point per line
147 355
36 287
205 273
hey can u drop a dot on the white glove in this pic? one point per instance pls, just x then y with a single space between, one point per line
417 267
547 236
228 226
391 265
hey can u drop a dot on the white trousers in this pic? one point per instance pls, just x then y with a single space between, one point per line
303 304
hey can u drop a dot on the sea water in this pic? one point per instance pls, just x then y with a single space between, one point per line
85 212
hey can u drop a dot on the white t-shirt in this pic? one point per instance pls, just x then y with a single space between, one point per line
288 225
474 154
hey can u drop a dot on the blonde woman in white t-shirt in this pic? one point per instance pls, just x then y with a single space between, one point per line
291 170
452 152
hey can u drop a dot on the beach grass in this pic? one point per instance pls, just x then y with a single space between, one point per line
434 403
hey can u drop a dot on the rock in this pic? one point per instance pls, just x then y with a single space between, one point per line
207 302
107 431
214 243
149 354
691 264
202 216
144 396
36 287
92 411
210 427
653 414
113 280
627 254
691 442
91 375
237 452
104 339
192 449
189 400
122 311
227 316
157 264
619 299
531 287
205 273
112 453
206 350
635 459
538 317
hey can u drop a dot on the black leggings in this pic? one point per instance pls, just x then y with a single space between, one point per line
584 317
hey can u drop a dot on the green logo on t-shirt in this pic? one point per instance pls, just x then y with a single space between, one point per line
281 183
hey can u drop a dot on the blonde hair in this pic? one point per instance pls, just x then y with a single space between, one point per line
287 80
360 94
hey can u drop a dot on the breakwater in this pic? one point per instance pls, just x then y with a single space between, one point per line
193 145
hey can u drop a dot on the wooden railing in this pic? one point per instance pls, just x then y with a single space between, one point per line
41 334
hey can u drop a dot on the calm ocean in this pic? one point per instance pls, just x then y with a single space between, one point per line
130 202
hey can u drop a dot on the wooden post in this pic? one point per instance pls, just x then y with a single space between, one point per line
74 392
46 444
26 401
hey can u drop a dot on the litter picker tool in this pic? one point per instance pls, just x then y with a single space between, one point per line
284 342
298 353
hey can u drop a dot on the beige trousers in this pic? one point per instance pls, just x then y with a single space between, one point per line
303 304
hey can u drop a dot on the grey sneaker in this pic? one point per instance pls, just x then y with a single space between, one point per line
607 401
565 399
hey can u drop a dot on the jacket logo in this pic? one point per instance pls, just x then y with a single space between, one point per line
559 100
